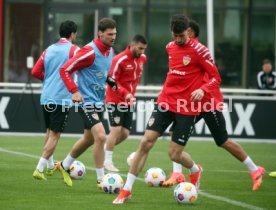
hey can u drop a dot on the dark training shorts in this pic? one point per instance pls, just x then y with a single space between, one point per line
91 115
55 116
120 115
183 124
216 124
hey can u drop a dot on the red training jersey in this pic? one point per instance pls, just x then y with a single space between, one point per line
187 67
213 100
126 70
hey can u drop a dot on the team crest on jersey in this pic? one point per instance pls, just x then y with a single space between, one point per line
95 116
151 121
117 120
186 60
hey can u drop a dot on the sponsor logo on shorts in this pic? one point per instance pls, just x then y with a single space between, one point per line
181 140
117 120
151 121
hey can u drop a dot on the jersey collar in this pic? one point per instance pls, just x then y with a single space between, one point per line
64 40
129 53
102 47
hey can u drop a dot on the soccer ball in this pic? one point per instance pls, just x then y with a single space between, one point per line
155 177
130 159
112 183
77 170
185 193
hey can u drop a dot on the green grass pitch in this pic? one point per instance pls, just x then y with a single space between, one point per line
225 182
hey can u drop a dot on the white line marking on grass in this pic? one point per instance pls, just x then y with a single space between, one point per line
208 195
19 153
233 202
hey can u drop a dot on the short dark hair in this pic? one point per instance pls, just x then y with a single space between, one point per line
195 27
67 28
106 23
267 61
139 38
179 23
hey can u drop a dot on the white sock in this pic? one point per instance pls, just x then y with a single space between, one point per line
41 164
177 167
194 169
100 173
108 156
67 162
129 182
251 166
50 162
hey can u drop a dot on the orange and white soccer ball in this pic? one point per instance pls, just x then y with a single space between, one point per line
155 177
185 193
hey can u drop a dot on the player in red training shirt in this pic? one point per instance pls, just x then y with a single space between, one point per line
212 105
126 70
177 102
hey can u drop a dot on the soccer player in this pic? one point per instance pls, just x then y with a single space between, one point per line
55 97
126 69
216 124
177 102
92 62
177 176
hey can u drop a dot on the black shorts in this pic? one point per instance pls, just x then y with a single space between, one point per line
183 124
55 117
91 115
120 115
216 124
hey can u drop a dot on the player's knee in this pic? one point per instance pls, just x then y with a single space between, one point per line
225 143
100 138
231 145
221 139
146 144
124 134
174 157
